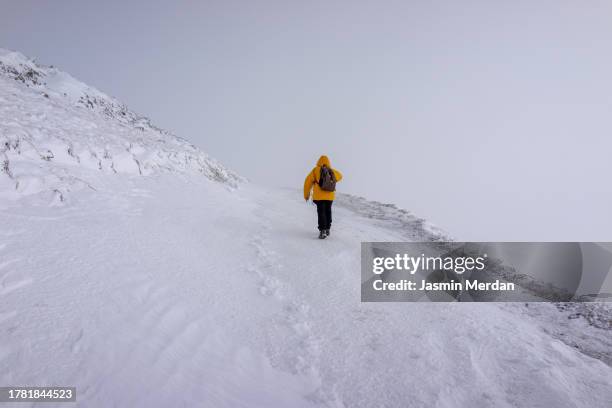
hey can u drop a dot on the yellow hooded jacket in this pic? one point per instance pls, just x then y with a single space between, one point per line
313 179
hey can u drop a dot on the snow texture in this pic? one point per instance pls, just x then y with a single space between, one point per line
54 126
139 270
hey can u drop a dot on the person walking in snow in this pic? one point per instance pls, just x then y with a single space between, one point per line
324 179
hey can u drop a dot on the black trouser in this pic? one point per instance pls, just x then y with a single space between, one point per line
324 213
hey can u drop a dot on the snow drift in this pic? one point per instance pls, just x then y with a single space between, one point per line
54 126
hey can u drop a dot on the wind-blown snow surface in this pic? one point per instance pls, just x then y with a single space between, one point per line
166 291
179 286
54 126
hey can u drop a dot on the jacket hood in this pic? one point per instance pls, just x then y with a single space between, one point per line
323 160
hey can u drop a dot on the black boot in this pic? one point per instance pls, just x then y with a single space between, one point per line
322 234
327 232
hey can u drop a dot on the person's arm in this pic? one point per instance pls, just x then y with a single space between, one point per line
338 175
310 180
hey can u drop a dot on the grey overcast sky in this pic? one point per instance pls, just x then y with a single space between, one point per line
492 119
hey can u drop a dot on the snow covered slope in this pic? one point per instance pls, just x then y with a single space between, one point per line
158 291
54 127
159 287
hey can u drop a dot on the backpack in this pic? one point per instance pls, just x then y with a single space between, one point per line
327 179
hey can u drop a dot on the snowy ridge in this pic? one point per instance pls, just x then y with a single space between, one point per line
583 326
56 130
413 227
